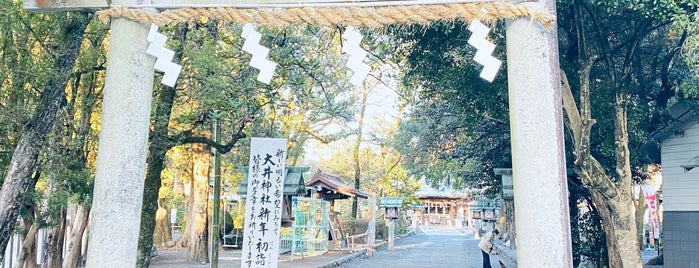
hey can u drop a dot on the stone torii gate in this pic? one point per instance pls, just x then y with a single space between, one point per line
543 230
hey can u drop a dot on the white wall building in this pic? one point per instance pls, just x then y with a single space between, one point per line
679 156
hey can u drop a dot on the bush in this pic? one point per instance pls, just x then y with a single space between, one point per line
359 226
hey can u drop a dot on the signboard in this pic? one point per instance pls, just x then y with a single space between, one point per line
489 215
54 5
263 210
173 216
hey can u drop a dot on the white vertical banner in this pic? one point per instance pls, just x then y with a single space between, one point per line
649 192
263 210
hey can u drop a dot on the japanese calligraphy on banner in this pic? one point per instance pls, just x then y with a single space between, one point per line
649 192
263 211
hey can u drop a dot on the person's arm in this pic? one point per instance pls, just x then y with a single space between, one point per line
489 242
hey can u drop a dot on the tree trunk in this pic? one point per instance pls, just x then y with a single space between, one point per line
626 238
640 212
612 200
157 149
24 159
184 239
355 152
79 223
163 234
29 227
599 202
54 243
27 254
508 208
620 229
155 161
195 236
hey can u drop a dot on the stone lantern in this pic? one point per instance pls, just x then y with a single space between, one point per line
506 223
392 206
484 212
507 182
476 213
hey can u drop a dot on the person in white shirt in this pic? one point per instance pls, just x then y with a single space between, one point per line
486 246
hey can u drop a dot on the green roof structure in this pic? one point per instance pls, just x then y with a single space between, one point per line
294 183
391 202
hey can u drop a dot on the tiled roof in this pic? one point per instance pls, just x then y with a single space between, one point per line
334 183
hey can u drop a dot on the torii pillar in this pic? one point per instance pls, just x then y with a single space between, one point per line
538 151
121 158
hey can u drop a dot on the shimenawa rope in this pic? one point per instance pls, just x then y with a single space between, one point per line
374 17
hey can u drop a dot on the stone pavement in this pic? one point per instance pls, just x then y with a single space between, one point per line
434 247
443 248
231 258
440 247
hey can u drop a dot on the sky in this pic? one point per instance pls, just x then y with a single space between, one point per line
382 106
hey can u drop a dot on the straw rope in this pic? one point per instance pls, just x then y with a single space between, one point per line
374 17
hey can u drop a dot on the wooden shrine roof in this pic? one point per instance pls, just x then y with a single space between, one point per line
333 187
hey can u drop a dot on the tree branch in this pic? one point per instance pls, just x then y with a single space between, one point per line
570 107
316 136
587 167
665 70
221 148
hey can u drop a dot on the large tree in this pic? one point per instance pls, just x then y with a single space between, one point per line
218 84
207 92
622 58
457 130
619 61
63 47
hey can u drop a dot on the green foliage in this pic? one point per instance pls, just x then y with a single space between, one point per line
313 88
686 20
588 238
456 132
683 16
28 46
359 226
66 180
638 57
380 173
239 216
663 9
306 93
24 67
636 70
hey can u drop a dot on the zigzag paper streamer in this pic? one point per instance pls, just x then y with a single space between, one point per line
357 55
484 49
163 56
259 53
